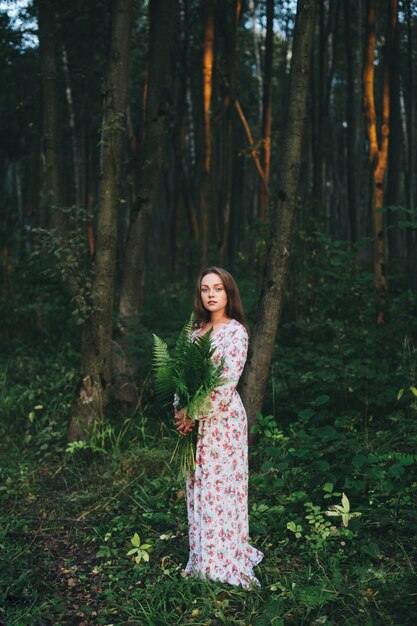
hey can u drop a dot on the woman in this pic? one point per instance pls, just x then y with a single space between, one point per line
217 491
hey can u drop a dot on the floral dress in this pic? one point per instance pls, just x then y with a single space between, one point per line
217 491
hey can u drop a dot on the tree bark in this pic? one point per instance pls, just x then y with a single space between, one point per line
265 156
205 192
267 109
160 37
95 369
133 278
271 298
378 150
354 99
231 130
49 71
395 180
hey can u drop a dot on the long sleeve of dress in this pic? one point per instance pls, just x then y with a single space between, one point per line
234 358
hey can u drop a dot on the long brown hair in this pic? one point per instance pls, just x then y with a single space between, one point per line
234 308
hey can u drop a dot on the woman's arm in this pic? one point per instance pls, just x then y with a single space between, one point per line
235 352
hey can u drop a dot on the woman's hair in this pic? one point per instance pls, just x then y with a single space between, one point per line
234 308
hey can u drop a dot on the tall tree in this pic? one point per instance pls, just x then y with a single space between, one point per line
265 156
267 110
354 99
161 14
231 129
378 148
51 148
96 356
271 298
207 69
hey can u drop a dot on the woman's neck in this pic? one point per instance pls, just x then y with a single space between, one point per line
218 317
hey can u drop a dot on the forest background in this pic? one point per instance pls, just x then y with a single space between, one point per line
140 141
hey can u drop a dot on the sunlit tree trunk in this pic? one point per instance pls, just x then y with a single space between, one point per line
378 149
205 191
354 99
270 303
96 357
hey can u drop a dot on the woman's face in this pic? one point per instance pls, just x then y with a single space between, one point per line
213 294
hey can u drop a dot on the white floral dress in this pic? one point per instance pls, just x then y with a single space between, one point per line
217 491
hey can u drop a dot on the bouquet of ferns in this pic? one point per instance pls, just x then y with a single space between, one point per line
188 375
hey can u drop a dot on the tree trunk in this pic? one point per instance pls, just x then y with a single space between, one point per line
231 131
49 71
270 303
266 136
205 193
73 131
395 180
95 370
131 295
160 36
267 109
378 151
353 29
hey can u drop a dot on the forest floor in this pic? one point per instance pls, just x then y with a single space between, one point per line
95 533
67 524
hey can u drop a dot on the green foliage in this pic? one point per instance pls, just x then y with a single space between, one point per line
140 552
190 373
337 442
67 260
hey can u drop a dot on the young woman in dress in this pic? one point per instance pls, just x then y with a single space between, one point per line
217 491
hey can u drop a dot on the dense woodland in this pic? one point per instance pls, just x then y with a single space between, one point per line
141 141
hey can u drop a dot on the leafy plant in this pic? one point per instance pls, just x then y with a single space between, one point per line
190 373
139 551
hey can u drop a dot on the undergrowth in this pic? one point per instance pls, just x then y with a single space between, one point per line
96 532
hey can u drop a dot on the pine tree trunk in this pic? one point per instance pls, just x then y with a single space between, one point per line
96 357
378 151
266 136
206 186
270 303
51 148
354 98
395 180
231 132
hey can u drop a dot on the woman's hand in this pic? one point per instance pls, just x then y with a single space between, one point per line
183 423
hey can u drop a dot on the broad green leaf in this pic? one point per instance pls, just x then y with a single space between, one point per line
306 414
346 503
145 556
135 540
132 551
400 394
321 400
414 391
328 487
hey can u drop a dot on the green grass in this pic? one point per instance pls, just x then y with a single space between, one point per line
67 524
340 418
